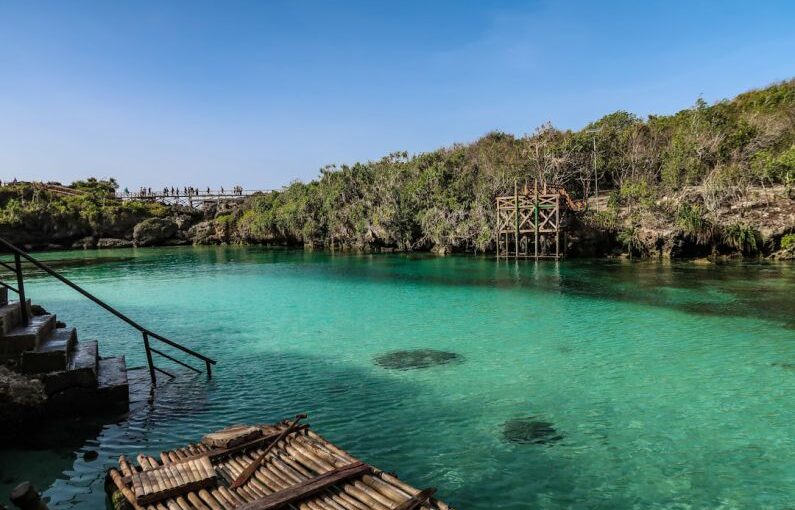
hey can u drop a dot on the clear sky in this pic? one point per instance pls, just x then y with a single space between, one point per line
259 93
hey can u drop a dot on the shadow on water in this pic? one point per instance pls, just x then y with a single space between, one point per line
733 289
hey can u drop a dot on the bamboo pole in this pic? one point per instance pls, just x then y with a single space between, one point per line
183 505
196 502
126 492
125 466
209 499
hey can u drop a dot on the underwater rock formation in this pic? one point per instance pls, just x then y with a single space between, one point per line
418 358
529 430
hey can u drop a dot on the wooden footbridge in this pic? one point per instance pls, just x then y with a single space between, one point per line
190 197
529 221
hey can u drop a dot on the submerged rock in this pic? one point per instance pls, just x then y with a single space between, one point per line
86 243
37 310
530 431
418 358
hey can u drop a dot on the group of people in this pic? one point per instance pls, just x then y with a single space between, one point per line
187 191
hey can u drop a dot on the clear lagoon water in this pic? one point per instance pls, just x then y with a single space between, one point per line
668 385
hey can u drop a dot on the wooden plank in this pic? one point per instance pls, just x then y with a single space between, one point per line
416 500
308 488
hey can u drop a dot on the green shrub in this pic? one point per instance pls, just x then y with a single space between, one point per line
631 240
606 220
787 241
743 238
692 220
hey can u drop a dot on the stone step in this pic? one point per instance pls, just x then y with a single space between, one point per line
112 379
109 396
11 316
81 369
52 354
26 338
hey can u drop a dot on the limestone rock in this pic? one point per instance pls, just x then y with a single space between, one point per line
110 242
154 231
208 232
21 399
85 243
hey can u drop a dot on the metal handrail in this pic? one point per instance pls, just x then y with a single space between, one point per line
145 332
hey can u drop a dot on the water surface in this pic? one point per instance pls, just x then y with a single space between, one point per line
669 385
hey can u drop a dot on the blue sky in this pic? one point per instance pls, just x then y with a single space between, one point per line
260 93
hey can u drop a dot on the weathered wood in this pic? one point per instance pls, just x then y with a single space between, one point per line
254 465
231 436
308 488
417 499
115 476
157 484
531 216
26 497
297 469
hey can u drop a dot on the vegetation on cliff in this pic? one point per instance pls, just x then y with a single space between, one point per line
683 169
31 213
709 178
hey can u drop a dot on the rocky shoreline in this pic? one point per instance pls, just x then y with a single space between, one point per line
603 231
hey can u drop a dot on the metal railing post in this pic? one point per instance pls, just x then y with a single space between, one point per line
23 303
20 254
149 358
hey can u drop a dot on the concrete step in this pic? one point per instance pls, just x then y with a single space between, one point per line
81 370
112 379
26 338
109 396
11 316
52 354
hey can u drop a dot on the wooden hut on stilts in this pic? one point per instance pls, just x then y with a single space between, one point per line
529 221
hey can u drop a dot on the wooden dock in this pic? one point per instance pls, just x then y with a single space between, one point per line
266 467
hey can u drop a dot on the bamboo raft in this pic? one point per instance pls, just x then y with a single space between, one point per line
267 467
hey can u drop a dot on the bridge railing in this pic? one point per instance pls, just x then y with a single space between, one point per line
147 334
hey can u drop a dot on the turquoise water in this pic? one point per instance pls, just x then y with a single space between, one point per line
672 385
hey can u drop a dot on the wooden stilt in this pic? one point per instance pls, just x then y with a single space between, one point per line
557 227
535 218
516 216
531 217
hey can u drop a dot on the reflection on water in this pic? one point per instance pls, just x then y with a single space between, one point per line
628 385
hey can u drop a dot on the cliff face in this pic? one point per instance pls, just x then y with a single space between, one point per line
759 222
41 221
752 225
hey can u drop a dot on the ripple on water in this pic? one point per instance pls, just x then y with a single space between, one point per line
695 404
